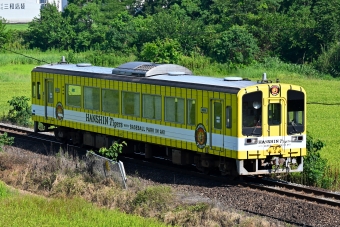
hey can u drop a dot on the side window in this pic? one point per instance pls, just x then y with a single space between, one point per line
228 116
73 95
34 90
91 98
152 107
130 103
191 112
174 110
38 90
110 101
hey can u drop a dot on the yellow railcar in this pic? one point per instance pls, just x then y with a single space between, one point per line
233 124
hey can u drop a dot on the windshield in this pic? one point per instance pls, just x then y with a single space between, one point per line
251 114
295 112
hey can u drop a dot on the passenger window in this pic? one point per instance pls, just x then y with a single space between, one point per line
91 98
110 101
152 107
131 103
73 95
34 90
38 90
174 110
191 112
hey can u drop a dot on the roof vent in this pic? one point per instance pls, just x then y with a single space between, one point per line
175 73
233 78
84 64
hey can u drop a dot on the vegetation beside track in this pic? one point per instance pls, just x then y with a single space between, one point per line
17 209
70 196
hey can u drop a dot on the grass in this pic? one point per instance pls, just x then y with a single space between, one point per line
19 27
15 81
28 210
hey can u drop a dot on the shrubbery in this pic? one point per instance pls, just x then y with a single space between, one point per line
20 112
314 165
5 140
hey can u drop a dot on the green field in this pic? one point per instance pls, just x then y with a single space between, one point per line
323 109
17 26
30 210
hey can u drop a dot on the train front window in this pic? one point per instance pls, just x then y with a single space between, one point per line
295 112
251 114
274 113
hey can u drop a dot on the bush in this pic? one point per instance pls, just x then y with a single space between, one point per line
5 140
162 51
21 111
314 165
328 61
113 151
153 197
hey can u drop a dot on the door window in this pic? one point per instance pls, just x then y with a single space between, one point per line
217 115
50 91
274 114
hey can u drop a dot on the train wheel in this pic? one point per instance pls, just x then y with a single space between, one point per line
60 135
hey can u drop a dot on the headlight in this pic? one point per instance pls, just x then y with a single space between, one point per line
250 141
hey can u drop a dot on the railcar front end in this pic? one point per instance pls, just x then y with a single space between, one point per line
272 129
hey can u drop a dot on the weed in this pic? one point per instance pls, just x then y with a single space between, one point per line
153 197
4 191
5 140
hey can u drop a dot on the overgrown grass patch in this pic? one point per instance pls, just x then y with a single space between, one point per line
5 192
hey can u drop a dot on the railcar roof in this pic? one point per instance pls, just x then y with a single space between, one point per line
205 80
88 70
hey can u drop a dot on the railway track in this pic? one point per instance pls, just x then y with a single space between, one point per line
26 132
297 191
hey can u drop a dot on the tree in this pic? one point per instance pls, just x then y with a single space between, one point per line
121 34
328 60
235 45
48 30
161 51
176 25
5 34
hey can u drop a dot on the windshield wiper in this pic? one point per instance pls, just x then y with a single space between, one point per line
293 126
255 127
